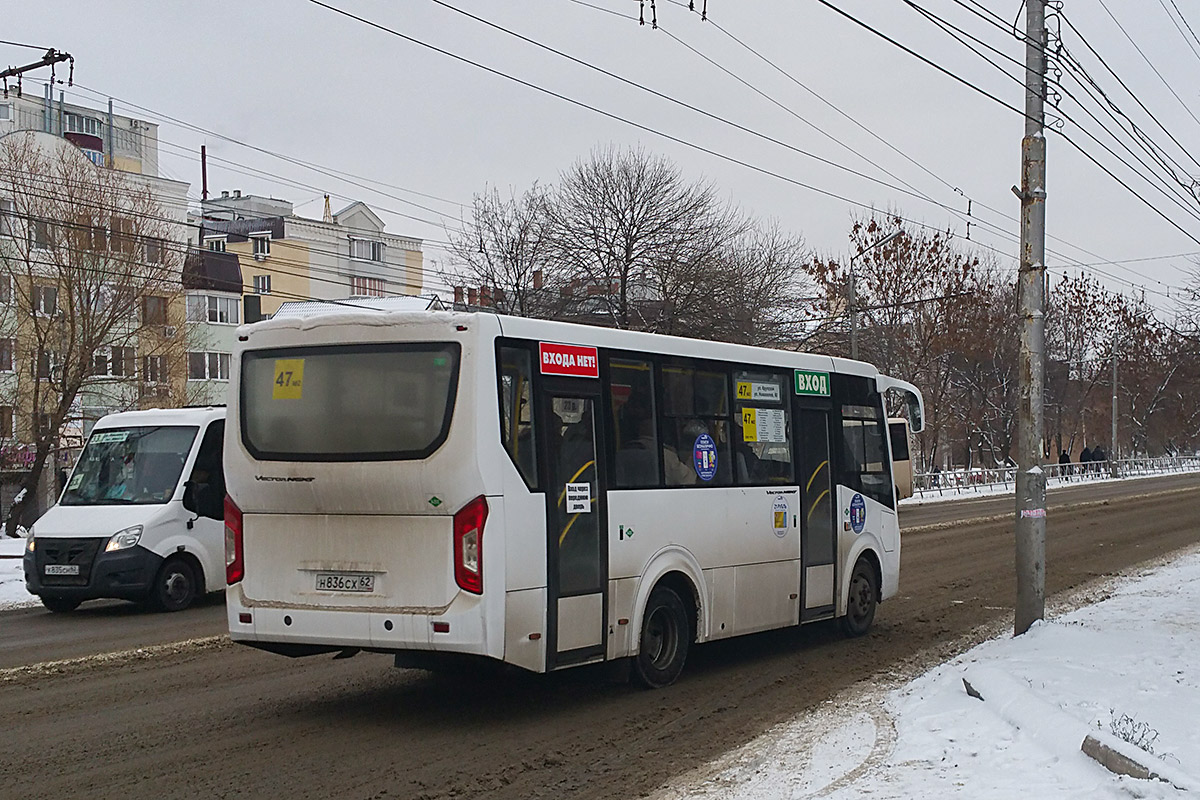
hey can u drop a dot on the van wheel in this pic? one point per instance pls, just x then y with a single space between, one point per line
60 605
664 641
863 599
175 587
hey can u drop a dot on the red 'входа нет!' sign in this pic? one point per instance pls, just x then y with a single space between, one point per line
569 359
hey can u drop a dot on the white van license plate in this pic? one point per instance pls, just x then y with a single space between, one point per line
344 582
62 569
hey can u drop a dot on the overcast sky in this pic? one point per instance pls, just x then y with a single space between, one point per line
296 79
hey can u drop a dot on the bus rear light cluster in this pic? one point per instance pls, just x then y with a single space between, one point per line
235 566
468 545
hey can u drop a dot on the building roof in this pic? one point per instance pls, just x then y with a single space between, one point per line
212 271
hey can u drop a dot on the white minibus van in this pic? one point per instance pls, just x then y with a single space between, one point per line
130 523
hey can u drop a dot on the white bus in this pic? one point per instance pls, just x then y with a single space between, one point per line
437 485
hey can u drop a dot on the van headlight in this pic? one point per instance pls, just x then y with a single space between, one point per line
122 540
29 543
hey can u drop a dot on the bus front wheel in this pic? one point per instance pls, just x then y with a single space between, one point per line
864 595
664 641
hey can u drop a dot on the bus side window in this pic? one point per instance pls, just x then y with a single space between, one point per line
695 425
516 411
866 467
635 432
762 430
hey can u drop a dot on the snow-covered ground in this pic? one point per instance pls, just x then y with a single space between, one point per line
12 579
1127 661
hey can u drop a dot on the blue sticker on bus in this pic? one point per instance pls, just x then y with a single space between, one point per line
858 513
704 457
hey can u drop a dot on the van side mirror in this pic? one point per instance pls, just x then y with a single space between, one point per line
204 500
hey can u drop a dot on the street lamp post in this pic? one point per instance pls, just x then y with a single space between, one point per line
852 296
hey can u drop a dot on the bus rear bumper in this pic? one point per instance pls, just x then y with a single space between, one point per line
299 630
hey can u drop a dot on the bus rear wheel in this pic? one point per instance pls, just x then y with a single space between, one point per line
664 640
863 599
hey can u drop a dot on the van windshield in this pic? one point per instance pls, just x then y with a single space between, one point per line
132 466
348 403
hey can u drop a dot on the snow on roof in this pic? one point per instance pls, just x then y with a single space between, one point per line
309 308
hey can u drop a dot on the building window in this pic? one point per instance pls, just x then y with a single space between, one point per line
77 123
154 310
45 300
366 287
262 284
5 289
119 362
120 235
39 234
8 349
5 111
197 308
154 369
262 243
7 214
366 250
155 250
208 366
7 420
215 243
46 364
223 310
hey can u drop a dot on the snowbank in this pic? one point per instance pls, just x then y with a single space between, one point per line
1126 663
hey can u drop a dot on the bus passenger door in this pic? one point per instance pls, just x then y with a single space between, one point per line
818 533
576 550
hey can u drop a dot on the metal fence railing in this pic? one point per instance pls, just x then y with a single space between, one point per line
975 479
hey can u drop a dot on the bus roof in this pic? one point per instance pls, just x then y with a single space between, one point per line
573 333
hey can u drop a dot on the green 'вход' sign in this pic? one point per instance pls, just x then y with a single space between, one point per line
814 383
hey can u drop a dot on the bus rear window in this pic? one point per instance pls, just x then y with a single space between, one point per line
348 403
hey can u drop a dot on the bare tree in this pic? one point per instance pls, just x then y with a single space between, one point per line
95 304
633 236
504 249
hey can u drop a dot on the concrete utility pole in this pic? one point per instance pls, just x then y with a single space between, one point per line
1031 480
1112 453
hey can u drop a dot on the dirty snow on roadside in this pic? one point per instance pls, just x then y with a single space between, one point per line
12 577
1127 661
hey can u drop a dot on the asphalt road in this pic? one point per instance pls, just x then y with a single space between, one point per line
215 720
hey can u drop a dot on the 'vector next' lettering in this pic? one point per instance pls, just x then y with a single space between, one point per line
568 359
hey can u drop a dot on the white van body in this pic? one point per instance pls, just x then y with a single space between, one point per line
130 537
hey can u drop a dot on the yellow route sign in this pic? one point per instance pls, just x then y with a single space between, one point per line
749 425
289 378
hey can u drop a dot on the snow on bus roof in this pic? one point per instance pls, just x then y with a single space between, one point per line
372 312
308 308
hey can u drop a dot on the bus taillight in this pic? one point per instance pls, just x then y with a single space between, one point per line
468 545
235 568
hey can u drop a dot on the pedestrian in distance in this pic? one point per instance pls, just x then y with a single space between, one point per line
1098 458
1085 460
1064 464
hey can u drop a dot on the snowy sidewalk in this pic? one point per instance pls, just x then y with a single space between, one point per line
1127 661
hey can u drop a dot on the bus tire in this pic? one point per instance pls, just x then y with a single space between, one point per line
664 640
175 586
862 600
59 605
